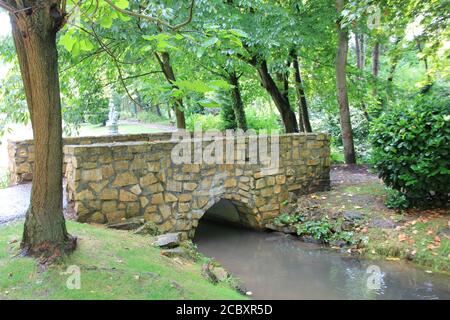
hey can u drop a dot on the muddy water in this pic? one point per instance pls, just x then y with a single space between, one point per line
275 266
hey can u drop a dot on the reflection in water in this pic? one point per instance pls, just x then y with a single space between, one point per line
274 266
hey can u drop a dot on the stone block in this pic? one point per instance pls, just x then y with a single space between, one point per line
124 179
126 196
157 198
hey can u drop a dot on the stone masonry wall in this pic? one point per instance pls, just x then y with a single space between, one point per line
111 182
21 152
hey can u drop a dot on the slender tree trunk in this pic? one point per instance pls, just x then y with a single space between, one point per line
301 96
238 105
34 36
341 84
166 67
282 104
158 110
394 63
358 51
375 66
360 61
362 45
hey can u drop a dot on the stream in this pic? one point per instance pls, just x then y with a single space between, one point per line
277 266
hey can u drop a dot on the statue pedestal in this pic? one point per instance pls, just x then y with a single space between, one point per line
113 129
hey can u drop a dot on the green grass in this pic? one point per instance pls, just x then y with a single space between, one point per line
337 155
113 264
99 130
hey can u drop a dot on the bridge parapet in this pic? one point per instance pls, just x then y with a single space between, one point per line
21 152
110 182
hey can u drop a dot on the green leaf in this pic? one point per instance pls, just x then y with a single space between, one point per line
122 4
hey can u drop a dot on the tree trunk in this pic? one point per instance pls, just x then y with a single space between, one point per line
34 36
282 104
301 96
375 66
166 68
360 51
341 84
390 79
360 61
238 105
158 110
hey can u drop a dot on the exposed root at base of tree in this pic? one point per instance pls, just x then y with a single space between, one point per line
48 252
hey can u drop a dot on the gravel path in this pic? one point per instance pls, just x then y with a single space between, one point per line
351 174
156 126
14 202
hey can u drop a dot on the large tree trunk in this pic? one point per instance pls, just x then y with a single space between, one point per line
341 84
34 36
238 105
282 104
166 68
301 96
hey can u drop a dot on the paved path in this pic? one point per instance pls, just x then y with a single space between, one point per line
14 202
156 126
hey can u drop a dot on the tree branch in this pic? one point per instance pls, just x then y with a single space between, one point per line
153 19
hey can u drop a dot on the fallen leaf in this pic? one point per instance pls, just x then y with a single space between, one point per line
402 237
392 258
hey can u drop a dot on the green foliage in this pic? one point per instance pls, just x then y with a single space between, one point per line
318 229
337 155
288 219
396 199
4 178
257 120
227 115
150 117
411 148
207 121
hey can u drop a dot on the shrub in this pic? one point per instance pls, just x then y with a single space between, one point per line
257 121
411 149
208 121
149 117
396 199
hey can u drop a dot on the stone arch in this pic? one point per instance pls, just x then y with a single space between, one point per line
248 216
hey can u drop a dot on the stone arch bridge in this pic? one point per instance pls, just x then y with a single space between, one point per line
135 176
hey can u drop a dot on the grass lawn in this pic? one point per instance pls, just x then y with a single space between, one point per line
114 265
99 130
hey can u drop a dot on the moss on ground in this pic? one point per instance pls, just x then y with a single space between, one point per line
114 265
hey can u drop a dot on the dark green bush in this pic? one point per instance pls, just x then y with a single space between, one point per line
411 149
